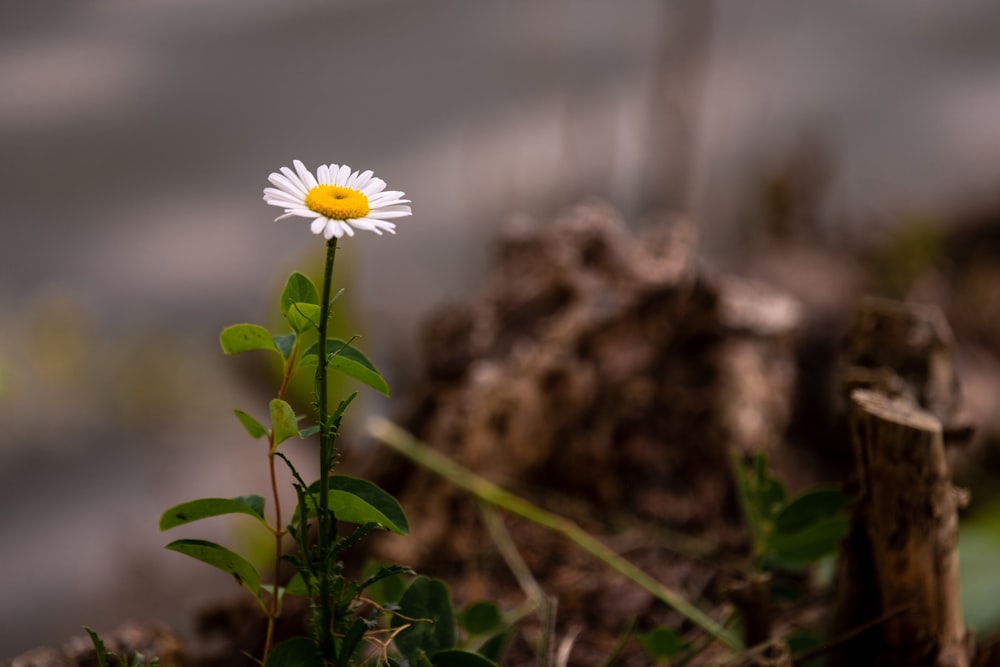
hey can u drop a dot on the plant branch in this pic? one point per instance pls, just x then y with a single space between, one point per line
274 609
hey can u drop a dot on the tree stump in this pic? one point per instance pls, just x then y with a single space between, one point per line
899 573
905 350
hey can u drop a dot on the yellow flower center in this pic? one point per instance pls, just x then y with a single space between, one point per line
337 203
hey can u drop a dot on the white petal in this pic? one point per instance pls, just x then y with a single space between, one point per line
295 209
380 225
386 195
393 207
284 185
287 184
305 175
382 214
374 202
343 174
332 229
287 208
279 198
374 186
323 174
294 178
283 194
362 179
318 225
292 189
362 223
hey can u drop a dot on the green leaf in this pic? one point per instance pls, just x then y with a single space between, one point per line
285 343
360 501
246 337
495 647
351 639
100 651
350 361
419 659
801 642
482 617
662 644
811 543
222 558
384 583
303 316
456 658
429 602
808 508
283 421
978 545
762 497
809 527
309 431
203 508
295 652
298 289
253 427
297 585
768 492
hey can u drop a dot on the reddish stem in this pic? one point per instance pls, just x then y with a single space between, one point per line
275 607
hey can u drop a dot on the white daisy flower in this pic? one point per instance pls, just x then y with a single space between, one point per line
336 199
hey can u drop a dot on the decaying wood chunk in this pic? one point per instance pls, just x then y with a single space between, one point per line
901 560
898 570
904 349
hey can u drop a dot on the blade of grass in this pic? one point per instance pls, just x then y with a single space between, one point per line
418 452
508 551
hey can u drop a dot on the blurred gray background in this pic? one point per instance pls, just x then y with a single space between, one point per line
136 136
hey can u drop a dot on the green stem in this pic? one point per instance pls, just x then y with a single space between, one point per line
487 491
326 452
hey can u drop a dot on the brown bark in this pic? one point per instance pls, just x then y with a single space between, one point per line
906 350
902 560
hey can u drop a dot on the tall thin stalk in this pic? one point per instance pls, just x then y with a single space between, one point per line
274 608
327 436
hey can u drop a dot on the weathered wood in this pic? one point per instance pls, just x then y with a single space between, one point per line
904 349
907 520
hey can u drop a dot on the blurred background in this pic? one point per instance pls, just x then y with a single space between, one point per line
136 137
